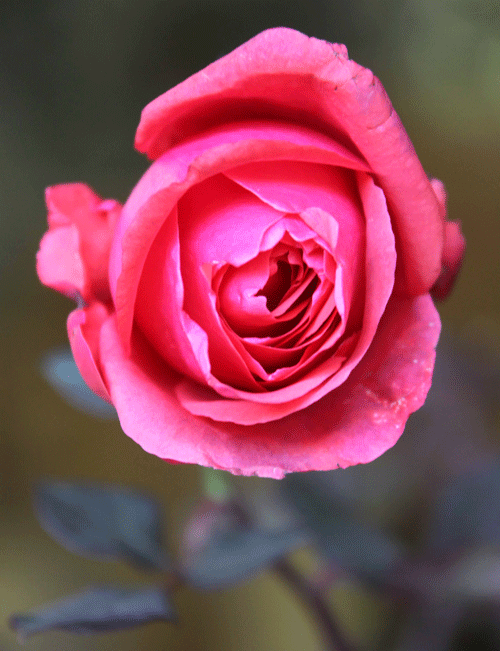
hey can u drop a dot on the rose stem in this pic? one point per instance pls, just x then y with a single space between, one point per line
315 600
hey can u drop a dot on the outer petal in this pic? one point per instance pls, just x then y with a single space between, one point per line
454 249
453 254
161 295
74 253
154 418
59 264
283 74
353 424
179 169
84 328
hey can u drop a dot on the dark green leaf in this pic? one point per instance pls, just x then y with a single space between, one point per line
339 532
98 610
235 555
61 372
102 520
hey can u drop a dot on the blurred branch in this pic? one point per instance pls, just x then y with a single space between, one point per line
315 601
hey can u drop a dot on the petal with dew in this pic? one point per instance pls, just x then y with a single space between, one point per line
375 402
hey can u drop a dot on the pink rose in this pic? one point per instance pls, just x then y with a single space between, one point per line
261 302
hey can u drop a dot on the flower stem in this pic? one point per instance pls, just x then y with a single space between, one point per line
315 600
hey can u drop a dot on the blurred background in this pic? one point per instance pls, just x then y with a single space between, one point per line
74 76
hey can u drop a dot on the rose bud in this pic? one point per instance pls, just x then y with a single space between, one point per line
261 303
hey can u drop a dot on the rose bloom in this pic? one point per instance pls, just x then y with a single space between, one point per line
261 302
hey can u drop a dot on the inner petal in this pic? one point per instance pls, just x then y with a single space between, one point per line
219 221
327 200
239 303
253 272
269 295
277 284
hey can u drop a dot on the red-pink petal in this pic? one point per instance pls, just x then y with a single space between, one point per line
283 74
353 424
250 409
154 418
453 254
74 254
219 222
302 188
59 264
84 329
454 248
238 302
159 309
187 165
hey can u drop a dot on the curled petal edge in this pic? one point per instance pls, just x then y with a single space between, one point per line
454 248
338 97
74 254
353 424
253 408
84 327
165 182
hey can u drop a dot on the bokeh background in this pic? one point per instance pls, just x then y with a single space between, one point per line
74 76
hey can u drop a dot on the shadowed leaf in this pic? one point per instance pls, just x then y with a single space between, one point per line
233 556
59 369
338 532
102 520
97 610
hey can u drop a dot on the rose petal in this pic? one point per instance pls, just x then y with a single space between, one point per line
187 165
299 187
84 328
440 192
353 424
270 76
295 186
238 301
312 82
454 248
74 254
155 419
453 254
161 292
250 409
59 264
219 222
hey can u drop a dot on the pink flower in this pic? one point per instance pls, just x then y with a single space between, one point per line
261 302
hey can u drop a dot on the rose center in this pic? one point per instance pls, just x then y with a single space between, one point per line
277 285
268 295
